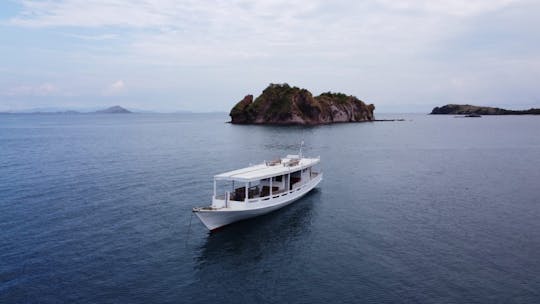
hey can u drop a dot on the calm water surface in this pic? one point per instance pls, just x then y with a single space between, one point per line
435 209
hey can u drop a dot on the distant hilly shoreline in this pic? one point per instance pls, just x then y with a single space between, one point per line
449 109
466 109
109 110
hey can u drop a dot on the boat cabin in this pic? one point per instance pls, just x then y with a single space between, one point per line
263 182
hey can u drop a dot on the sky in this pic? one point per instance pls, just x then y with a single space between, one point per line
202 56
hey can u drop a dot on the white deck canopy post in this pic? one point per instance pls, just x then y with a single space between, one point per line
247 190
289 181
271 178
214 188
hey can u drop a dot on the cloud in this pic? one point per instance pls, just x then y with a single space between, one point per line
424 50
80 13
93 37
115 88
44 89
455 7
193 13
222 32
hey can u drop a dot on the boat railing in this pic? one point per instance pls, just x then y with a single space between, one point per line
224 197
273 162
266 197
296 187
291 163
275 194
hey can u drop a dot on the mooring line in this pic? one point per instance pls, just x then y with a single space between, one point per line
189 229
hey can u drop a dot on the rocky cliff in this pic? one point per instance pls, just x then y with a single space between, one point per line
283 104
456 109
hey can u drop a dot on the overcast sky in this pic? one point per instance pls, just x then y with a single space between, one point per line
169 55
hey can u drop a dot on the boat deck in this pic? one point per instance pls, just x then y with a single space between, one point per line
268 169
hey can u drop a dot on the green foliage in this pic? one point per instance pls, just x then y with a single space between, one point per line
276 100
336 97
237 109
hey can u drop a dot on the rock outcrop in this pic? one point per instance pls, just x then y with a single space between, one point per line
466 109
283 104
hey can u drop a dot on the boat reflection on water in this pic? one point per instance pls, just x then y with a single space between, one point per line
250 240
248 257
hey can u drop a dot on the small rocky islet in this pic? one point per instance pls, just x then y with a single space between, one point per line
281 104
466 109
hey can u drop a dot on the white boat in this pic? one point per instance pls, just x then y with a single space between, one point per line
259 189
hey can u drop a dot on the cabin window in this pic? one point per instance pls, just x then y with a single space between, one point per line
278 178
295 178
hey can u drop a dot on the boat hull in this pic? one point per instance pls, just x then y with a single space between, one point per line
214 219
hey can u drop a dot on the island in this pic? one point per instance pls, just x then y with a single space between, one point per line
457 109
281 104
114 110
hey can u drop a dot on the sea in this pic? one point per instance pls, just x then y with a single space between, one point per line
96 208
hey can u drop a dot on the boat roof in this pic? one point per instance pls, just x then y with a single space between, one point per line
291 163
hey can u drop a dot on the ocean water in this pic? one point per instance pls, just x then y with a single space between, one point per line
434 209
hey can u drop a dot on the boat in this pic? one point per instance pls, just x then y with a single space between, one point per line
259 189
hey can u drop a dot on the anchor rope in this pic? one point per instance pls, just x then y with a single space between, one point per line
189 229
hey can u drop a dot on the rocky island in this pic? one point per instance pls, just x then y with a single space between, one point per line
282 104
466 109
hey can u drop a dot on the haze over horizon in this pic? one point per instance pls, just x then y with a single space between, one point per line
165 55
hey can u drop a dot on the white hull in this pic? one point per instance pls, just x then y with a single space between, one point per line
215 218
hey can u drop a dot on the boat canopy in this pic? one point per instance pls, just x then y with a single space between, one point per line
286 165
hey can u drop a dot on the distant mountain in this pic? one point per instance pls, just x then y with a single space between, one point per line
466 109
114 110
91 110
